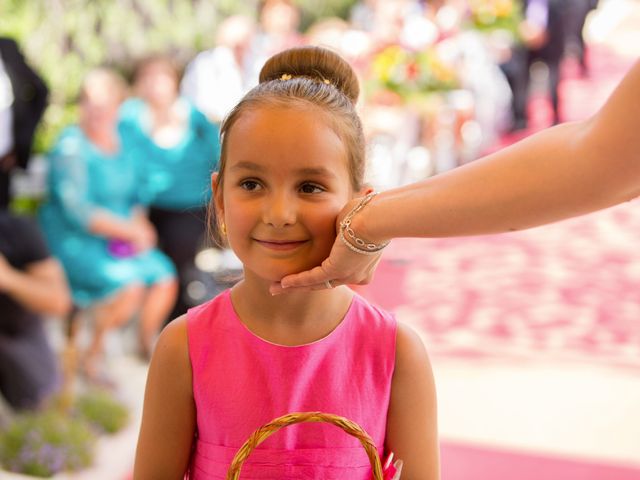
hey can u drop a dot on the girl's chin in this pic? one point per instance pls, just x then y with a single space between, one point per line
274 275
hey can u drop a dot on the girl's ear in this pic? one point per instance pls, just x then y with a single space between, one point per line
365 190
217 194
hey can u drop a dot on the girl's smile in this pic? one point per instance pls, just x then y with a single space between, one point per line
281 245
285 180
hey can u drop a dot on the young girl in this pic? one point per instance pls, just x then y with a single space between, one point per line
292 156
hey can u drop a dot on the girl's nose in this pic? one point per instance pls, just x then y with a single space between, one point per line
280 211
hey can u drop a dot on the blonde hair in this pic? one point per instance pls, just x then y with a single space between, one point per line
306 77
104 79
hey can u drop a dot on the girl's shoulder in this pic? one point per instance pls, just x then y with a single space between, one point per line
372 328
171 351
175 330
379 323
201 319
371 314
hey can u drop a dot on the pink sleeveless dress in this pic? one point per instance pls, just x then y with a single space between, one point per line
241 382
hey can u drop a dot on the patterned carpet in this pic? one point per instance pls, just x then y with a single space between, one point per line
568 290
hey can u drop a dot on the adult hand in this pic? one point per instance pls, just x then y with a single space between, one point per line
533 36
143 235
342 267
141 241
6 272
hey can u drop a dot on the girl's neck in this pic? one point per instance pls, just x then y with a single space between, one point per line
292 318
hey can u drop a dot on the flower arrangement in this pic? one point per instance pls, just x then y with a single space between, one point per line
44 443
489 15
409 73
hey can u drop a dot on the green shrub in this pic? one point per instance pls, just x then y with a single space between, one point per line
42 444
63 39
100 409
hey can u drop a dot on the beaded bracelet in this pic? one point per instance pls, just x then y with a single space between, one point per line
360 246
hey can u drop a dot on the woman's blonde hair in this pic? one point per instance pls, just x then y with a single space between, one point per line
305 77
103 79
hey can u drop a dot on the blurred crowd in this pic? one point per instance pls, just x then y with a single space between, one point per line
128 185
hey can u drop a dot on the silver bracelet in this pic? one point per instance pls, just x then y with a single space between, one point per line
360 246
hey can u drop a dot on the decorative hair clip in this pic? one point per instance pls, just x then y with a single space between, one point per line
288 76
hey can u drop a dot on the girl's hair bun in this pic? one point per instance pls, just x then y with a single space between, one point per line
316 63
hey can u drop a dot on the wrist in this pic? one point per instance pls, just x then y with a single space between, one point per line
354 241
10 278
365 225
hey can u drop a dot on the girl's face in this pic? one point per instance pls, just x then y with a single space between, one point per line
286 179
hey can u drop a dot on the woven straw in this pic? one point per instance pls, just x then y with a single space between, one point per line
261 434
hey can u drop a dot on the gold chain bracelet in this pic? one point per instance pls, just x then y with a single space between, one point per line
358 245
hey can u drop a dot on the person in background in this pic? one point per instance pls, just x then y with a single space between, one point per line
543 39
216 79
94 224
23 100
278 23
575 18
176 149
564 171
32 285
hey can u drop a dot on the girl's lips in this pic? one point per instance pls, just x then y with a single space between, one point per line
280 244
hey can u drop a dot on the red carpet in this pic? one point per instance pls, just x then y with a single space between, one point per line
462 462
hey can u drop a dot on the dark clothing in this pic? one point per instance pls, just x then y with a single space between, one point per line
517 70
29 102
181 233
553 49
575 17
27 363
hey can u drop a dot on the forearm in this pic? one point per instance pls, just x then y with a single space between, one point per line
108 225
560 172
40 295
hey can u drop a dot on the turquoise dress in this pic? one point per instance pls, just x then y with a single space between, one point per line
177 177
83 180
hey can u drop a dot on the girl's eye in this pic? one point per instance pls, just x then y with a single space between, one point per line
250 185
311 188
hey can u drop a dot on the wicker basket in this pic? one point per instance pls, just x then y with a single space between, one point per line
261 434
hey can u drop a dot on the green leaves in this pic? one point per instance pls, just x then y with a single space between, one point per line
63 39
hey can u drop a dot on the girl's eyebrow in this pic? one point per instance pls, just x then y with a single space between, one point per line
315 171
248 166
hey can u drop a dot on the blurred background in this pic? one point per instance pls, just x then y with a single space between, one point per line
534 336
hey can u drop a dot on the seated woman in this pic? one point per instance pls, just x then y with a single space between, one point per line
177 149
93 223
32 288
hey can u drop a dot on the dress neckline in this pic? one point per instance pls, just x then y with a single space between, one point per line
258 340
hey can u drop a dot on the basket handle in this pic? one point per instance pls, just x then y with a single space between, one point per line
262 433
